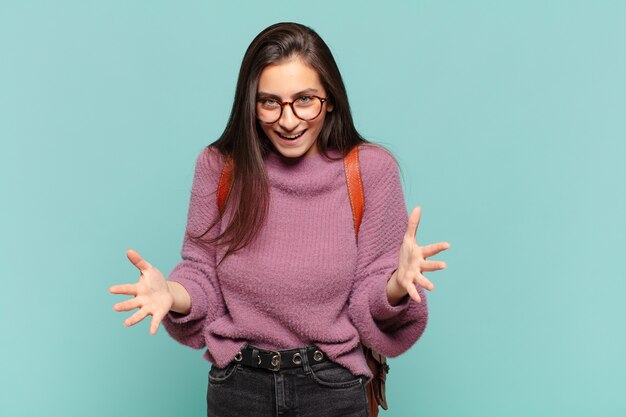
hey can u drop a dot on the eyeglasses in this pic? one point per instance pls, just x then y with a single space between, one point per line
269 110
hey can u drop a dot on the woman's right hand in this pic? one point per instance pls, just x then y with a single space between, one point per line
152 295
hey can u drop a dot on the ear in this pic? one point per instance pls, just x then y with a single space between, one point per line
329 107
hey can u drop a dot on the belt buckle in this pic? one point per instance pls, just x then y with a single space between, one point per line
275 361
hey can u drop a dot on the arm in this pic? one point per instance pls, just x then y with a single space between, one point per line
193 282
388 323
182 300
191 295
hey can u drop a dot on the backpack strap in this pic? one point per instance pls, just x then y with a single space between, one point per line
355 187
353 181
224 186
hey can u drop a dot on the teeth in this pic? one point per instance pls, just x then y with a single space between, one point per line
291 137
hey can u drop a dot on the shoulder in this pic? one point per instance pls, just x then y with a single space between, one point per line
203 203
209 163
211 158
376 163
207 171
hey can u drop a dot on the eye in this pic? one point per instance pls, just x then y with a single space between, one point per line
268 103
304 100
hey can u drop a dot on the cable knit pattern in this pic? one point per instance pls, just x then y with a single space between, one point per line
303 280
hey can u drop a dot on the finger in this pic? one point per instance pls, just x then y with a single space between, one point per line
127 305
128 289
414 294
432 265
154 323
137 317
424 282
414 221
435 248
137 260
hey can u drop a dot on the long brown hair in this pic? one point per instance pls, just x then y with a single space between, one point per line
246 144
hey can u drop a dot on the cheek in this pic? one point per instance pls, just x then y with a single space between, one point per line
266 129
318 123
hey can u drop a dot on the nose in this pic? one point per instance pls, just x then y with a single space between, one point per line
288 121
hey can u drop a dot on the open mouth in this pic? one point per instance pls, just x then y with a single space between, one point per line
292 137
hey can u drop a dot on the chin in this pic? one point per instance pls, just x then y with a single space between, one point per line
294 151
291 153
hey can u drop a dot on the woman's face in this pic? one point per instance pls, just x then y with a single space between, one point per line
288 81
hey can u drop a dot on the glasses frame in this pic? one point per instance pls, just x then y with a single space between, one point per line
283 103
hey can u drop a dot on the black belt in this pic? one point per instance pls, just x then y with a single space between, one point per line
275 360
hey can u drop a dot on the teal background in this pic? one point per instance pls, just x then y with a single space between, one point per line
507 118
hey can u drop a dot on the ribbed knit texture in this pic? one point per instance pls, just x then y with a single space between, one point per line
304 280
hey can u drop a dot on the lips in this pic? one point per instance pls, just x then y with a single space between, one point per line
291 137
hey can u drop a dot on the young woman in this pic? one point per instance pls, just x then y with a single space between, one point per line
281 286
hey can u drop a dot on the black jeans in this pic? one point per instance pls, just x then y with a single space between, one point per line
324 389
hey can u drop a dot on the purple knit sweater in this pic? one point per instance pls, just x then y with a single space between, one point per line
304 280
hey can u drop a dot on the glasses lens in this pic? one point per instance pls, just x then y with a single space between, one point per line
307 107
268 110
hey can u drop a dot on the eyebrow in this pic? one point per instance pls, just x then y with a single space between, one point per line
298 94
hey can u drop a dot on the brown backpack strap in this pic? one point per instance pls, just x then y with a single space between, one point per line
355 187
376 362
223 188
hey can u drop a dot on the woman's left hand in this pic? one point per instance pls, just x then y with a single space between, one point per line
412 263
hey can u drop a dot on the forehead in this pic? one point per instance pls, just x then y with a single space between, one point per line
288 78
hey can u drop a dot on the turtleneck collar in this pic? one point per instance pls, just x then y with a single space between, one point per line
306 174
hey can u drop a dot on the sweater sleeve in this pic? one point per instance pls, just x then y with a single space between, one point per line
391 330
197 270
